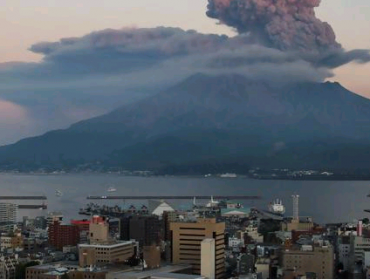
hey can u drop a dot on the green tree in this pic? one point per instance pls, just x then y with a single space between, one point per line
20 271
366 221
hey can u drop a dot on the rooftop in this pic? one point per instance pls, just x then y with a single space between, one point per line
164 272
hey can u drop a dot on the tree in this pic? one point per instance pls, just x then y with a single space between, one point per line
20 270
366 221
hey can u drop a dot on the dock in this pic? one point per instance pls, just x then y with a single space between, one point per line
43 207
23 197
175 197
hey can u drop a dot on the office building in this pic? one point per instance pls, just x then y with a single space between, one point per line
186 243
98 230
8 216
145 229
310 259
63 235
246 264
109 253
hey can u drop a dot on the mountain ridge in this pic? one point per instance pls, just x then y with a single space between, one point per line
210 118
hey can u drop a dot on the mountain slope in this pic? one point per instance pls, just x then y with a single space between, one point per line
207 118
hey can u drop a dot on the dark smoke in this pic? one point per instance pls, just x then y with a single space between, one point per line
282 24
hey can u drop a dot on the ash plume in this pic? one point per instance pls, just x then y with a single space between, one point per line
288 25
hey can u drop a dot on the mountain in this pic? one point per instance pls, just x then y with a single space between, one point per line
225 120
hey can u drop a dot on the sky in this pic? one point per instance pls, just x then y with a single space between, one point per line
24 23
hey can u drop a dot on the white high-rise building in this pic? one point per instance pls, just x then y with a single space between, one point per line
8 215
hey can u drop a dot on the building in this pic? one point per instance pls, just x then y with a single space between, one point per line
98 230
145 229
102 254
63 235
11 241
8 216
310 259
165 272
83 228
8 266
344 248
358 245
152 256
208 258
246 264
186 243
57 270
54 217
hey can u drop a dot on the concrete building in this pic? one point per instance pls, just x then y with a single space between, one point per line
186 243
98 230
8 216
11 242
358 245
344 248
8 266
59 270
100 254
165 272
145 229
246 264
310 259
208 258
54 217
63 235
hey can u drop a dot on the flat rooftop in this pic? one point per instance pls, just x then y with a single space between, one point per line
166 272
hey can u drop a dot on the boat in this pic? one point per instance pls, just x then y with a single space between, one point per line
229 175
212 203
112 189
58 193
277 207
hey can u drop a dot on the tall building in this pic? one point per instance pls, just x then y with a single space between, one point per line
63 235
83 228
310 259
8 216
186 242
145 229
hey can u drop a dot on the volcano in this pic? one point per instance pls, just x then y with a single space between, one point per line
213 121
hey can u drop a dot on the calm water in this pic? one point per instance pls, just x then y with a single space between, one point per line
324 201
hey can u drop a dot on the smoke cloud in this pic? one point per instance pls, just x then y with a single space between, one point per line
282 24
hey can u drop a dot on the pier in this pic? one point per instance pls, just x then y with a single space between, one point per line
23 197
43 207
175 197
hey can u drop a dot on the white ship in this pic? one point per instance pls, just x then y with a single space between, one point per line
112 189
228 175
277 207
58 193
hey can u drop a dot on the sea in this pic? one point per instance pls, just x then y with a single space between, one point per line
324 201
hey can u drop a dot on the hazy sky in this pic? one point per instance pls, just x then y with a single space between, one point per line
26 22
